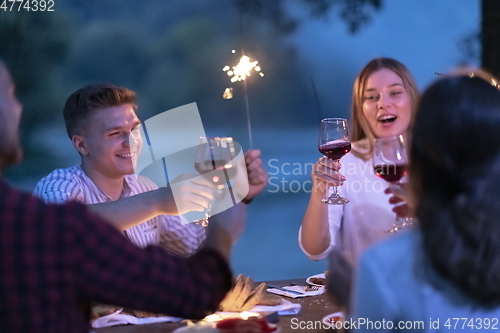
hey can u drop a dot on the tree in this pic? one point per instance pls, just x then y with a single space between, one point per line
355 13
34 45
490 36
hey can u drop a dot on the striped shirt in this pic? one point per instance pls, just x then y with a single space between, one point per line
72 183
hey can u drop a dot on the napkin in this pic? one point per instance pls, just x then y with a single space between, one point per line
285 308
118 318
300 289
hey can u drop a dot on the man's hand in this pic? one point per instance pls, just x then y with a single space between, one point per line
186 193
257 176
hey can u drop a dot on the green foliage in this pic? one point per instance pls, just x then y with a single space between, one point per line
108 51
355 13
34 46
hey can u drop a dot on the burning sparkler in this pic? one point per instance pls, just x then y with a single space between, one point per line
240 73
242 70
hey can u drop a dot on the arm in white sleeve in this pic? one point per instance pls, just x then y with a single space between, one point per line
334 219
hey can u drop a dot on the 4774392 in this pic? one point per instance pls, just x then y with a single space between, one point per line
27 5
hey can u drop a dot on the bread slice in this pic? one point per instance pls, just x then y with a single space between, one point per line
146 314
244 294
101 310
228 302
254 297
270 300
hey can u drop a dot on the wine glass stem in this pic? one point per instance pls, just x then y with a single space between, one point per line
207 211
335 193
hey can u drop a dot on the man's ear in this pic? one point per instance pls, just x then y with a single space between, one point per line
79 144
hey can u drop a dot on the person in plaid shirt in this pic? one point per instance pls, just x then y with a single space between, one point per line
56 258
103 126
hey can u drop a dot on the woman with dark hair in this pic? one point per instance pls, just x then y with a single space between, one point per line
444 275
384 100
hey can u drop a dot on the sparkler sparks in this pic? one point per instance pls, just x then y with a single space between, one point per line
242 70
228 93
240 73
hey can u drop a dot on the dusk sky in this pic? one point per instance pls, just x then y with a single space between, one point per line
422 34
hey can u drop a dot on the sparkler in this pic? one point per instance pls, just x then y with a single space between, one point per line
242 70
240 73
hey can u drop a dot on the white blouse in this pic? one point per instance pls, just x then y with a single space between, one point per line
364 220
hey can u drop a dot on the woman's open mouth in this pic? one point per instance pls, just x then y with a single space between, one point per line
386 119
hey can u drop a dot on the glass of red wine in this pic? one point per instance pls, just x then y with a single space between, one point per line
334 143
390 163
214 157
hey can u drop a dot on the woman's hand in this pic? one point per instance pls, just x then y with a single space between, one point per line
400 199
325 173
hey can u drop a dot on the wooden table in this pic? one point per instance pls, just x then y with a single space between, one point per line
314 308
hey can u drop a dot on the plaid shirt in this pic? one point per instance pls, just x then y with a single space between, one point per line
53 258
72 183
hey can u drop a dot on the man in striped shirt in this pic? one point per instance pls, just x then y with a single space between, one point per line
103 127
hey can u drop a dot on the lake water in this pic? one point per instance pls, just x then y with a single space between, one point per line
269 247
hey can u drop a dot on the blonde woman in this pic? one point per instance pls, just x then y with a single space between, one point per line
384 101
449 266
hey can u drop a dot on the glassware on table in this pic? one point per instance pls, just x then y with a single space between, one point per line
334 143
390 163
213 161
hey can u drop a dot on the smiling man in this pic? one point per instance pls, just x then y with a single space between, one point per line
103 126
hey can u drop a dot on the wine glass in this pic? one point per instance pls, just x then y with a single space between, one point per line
390 163
334 143
213 161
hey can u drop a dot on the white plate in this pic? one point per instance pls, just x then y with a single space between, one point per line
326 319
322 275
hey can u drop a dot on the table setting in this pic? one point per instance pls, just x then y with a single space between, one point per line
313 305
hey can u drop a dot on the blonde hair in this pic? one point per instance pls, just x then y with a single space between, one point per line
360 129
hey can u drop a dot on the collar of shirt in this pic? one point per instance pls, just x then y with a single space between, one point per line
127 190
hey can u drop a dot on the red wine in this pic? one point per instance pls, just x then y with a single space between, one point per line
391 172
335 150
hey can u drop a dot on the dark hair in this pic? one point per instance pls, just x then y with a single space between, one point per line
455 180
83 102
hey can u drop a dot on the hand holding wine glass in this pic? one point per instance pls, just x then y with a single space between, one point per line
334 143
390 163
213 161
